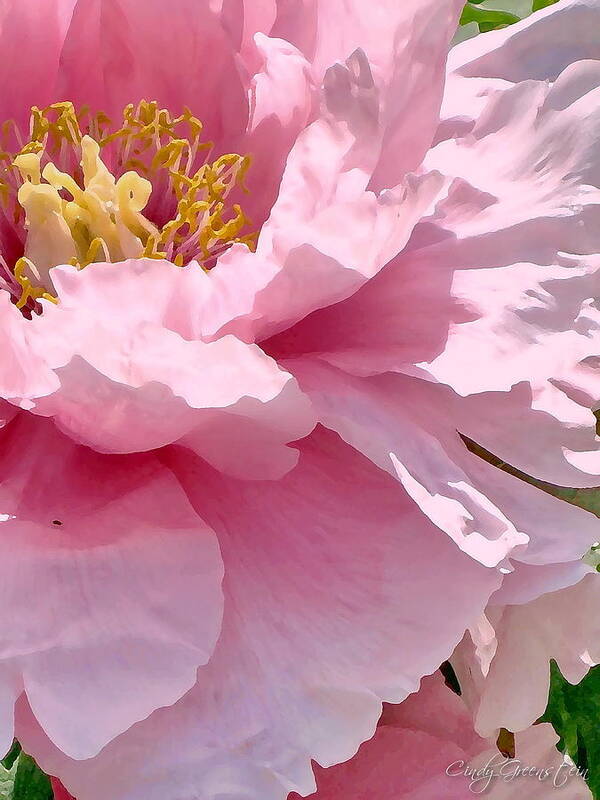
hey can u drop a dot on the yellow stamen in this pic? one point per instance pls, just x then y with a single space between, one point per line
93 209
35 292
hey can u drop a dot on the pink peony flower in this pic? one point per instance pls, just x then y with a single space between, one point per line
236 493
426 748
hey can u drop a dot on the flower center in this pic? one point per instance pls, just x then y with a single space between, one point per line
78 192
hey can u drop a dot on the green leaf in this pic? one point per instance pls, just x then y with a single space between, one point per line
539 4
7 782
574 712
30 782
488 19
12 755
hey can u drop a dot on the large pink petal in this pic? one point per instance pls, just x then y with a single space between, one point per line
406 43
225 399
31 37
175 53
112 590
495 334
512 692
334 601
411 429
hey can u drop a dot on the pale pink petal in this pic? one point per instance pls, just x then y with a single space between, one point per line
323 190
414 93
529 581
446 302
562 625
395 320
539 47
550 162
113 585
545 431
23 373
281 98
407 45
137 291
128 383
308 650
529 326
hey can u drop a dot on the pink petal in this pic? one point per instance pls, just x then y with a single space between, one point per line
513 327
11 686
410 428
281 99
31 37
414 93
406 43
562 625
60 793
530 581
272 290
446 302
23 373
421 749
115 54
399 424
226 400
549 162
545 431
308 650
539 47
131 602
243 19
